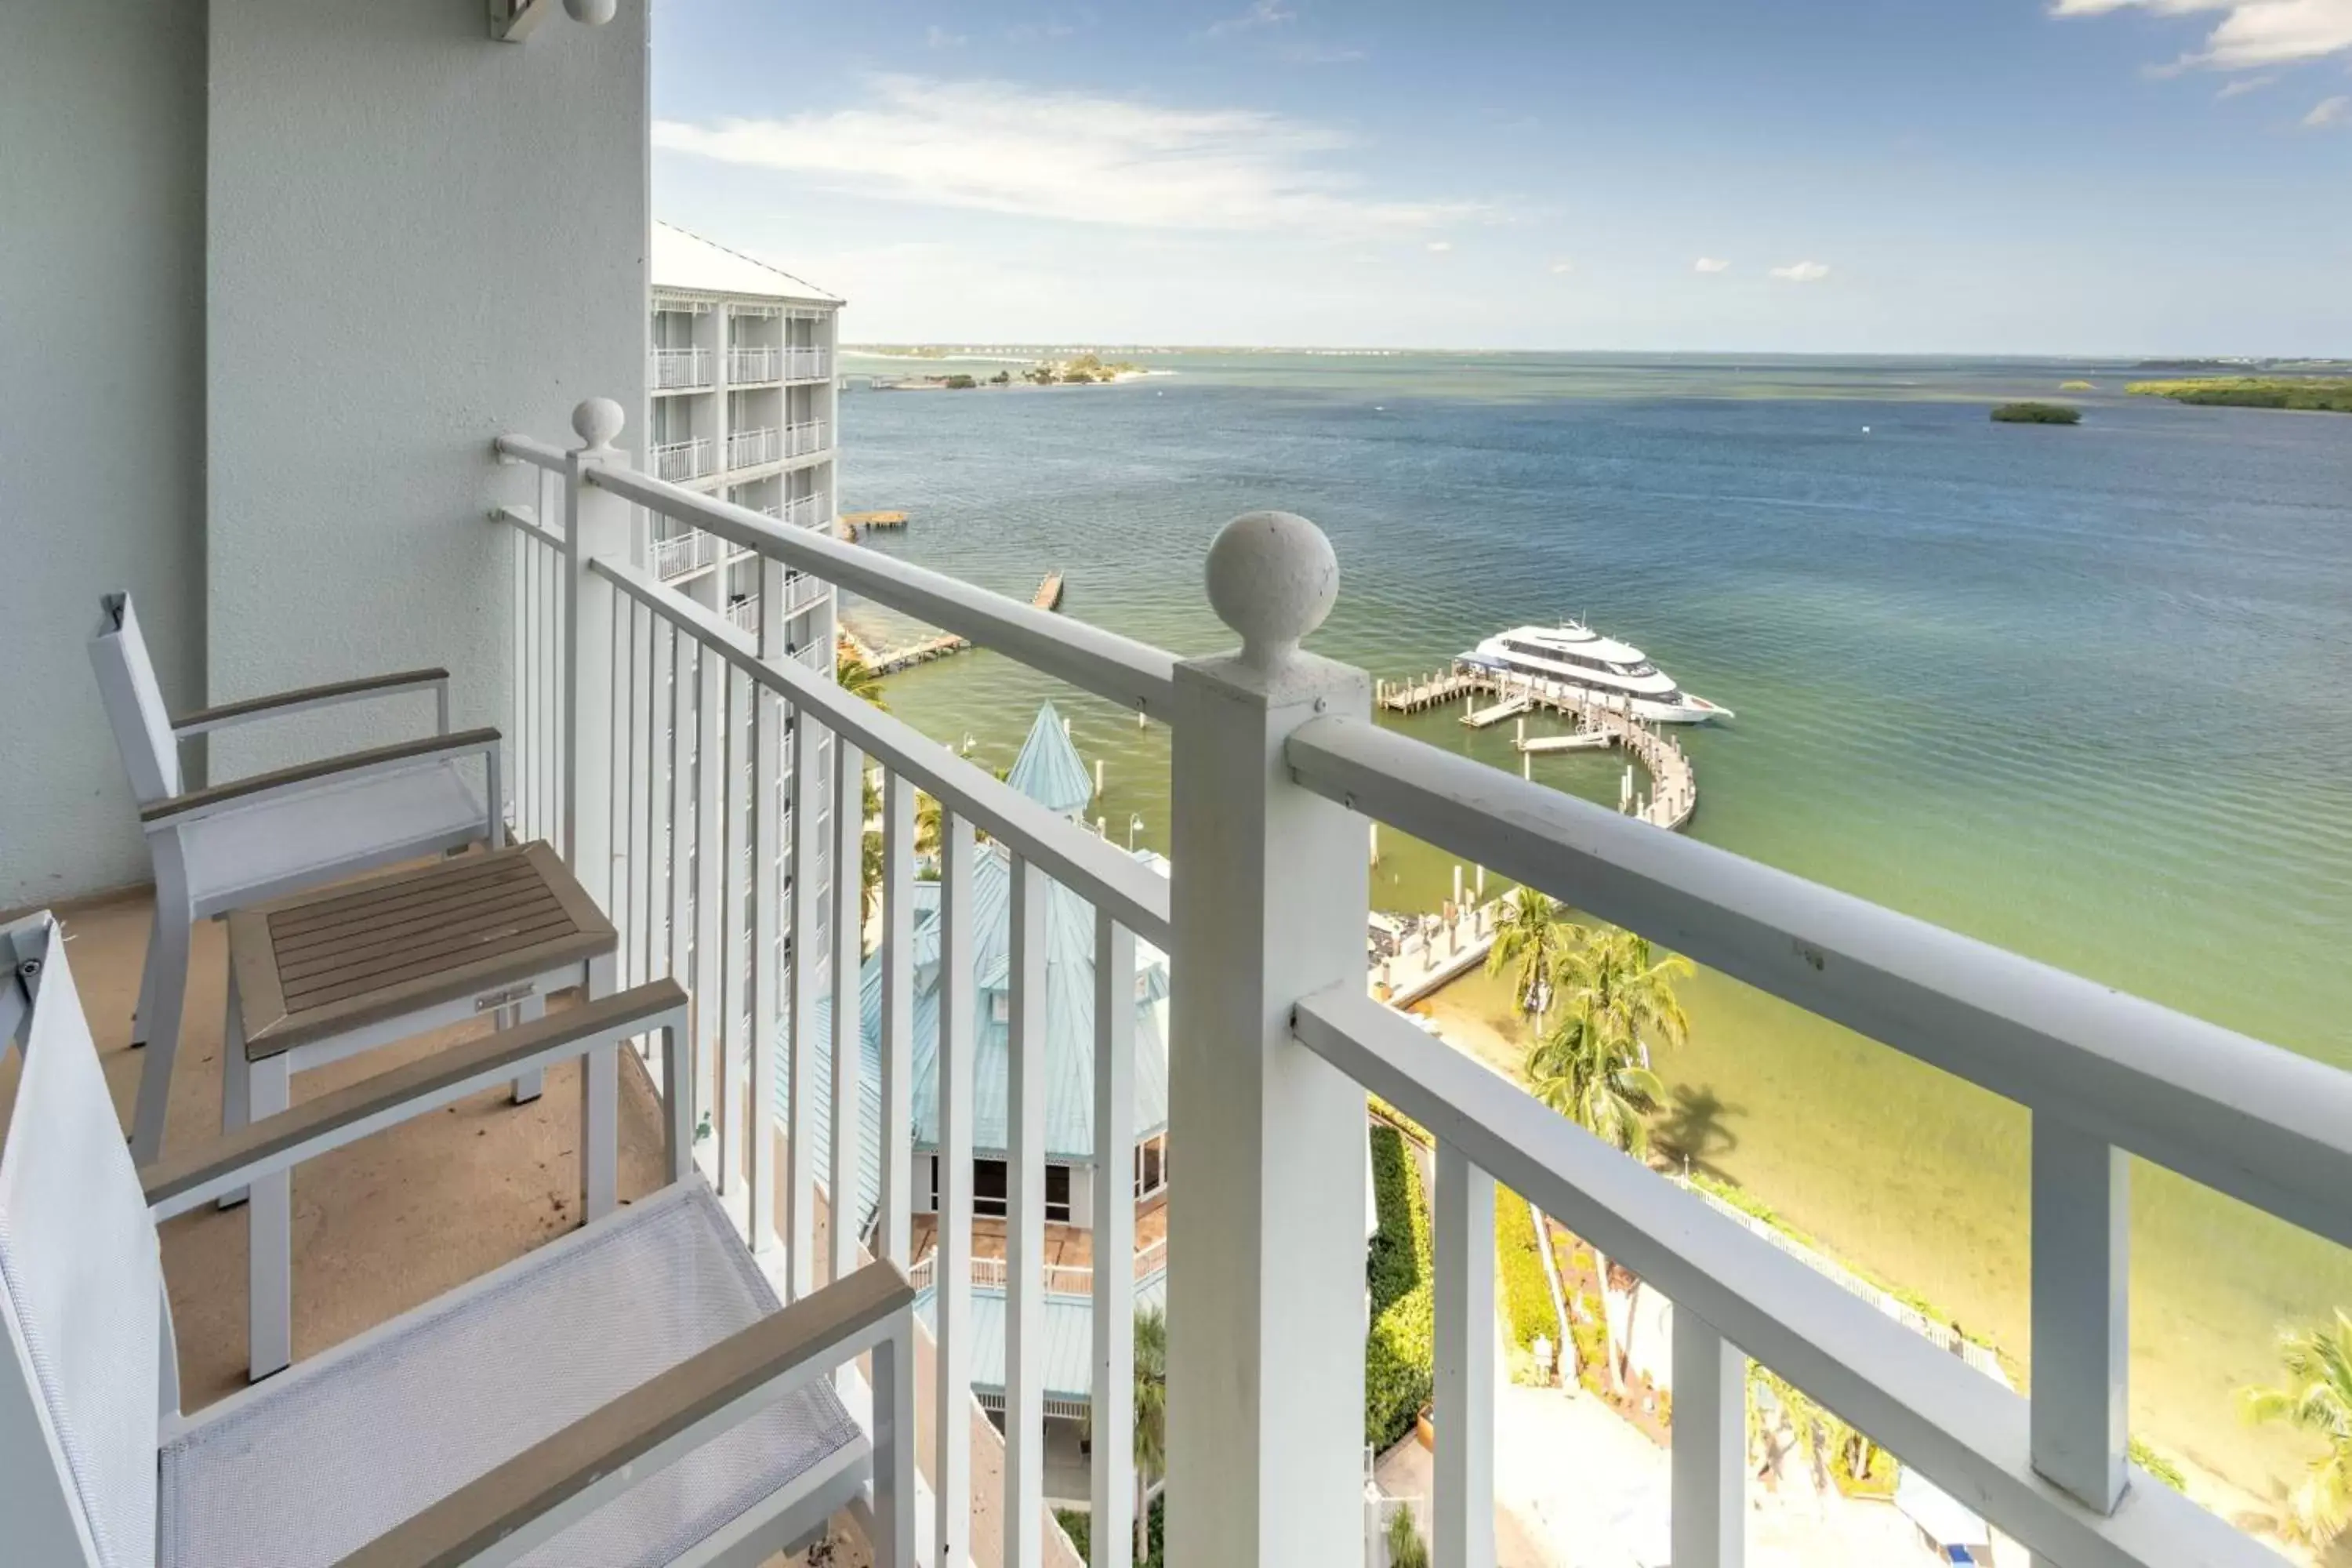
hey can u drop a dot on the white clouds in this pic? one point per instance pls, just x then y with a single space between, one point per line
938 37
995 146
1562 268
2251 33
2337 111
2242 85
1801 273
1710 264
1265 14
1440 247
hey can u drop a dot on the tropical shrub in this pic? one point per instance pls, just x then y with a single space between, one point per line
1399 1346
1527 1293
1406 1548
2315 1396
961 383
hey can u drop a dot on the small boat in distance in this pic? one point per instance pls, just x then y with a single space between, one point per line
1573 660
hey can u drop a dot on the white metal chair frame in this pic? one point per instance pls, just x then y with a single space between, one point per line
173 817
69 1390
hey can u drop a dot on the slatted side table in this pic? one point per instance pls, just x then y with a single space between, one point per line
330 973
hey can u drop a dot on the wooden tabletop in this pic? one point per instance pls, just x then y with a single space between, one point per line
337 959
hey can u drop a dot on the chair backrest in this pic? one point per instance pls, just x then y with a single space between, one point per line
134 702
81 1303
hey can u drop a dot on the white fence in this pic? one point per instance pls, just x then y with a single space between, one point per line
748 449
677 370
1275 763
679 460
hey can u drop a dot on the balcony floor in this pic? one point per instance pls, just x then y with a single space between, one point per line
380 1226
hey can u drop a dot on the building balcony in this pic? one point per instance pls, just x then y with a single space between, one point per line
1276 769
681 370
680 461
754 365
804 362
810 435
750 448
685 552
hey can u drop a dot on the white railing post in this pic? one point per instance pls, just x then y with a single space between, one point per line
2082 1229
596 522
1265 1397
1111 1485
1709 1458
1462 1531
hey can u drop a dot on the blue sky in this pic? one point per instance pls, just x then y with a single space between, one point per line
2055 176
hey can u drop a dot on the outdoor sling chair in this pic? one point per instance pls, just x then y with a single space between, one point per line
627 1395
271 834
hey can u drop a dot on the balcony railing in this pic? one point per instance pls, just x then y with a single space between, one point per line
801 439
686 553
802 362
676 461
749 448
748 366
1276 766
677 370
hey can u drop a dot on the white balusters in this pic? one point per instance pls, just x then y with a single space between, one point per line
710 946
799 1137
677 847
897 1018
1709 1460
767 992
2082 1229
1112 1490
1024 1343
1463 1223
846 942
740 1004
951 1427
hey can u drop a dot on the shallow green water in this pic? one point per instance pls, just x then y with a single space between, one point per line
2084 693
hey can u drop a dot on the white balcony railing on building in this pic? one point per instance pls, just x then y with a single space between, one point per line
1275 764
807 437
677 461
689 551
801 511
749 448
745 614
802 362
677 369
748 366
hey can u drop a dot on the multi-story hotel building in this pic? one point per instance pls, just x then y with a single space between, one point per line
742 400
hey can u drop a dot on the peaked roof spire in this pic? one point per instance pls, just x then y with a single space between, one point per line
1048 770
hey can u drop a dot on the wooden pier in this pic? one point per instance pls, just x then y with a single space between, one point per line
889 661
848 525
1673 794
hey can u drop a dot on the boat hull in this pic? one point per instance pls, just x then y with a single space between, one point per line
1689 709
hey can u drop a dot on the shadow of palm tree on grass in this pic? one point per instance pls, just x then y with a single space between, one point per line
1692 1132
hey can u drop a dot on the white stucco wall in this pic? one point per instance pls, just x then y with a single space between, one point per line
418 238
101 407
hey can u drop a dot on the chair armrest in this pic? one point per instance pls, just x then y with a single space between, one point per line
351 764
177 1184
221 715
656 1424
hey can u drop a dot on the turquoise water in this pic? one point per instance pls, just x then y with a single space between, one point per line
2085 693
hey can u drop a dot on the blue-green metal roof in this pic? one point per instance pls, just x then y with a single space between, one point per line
1048 770
1069 1012
1068 1333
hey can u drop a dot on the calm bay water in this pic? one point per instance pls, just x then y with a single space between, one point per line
2085 693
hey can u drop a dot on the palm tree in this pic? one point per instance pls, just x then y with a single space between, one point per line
2317 1397
1630 990
854 675
1590 1073
1531 934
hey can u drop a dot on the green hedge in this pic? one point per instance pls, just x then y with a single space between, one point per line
1398 1351
1526 1294
1078 1525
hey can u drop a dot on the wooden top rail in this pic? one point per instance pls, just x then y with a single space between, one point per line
1134 675
1130 892
1965 1431
2260 1123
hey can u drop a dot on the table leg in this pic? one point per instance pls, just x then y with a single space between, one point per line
599 1112
529 1086
269 1235
234 1112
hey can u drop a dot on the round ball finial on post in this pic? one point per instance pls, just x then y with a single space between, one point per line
593 13
598 420
1273 576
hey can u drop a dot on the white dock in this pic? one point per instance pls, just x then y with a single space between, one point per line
1583 740
1509 707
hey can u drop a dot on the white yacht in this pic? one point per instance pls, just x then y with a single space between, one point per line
1575 661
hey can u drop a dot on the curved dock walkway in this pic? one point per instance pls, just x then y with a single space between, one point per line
1673 794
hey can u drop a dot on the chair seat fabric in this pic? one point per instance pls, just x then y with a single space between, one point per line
314 1465
331 829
